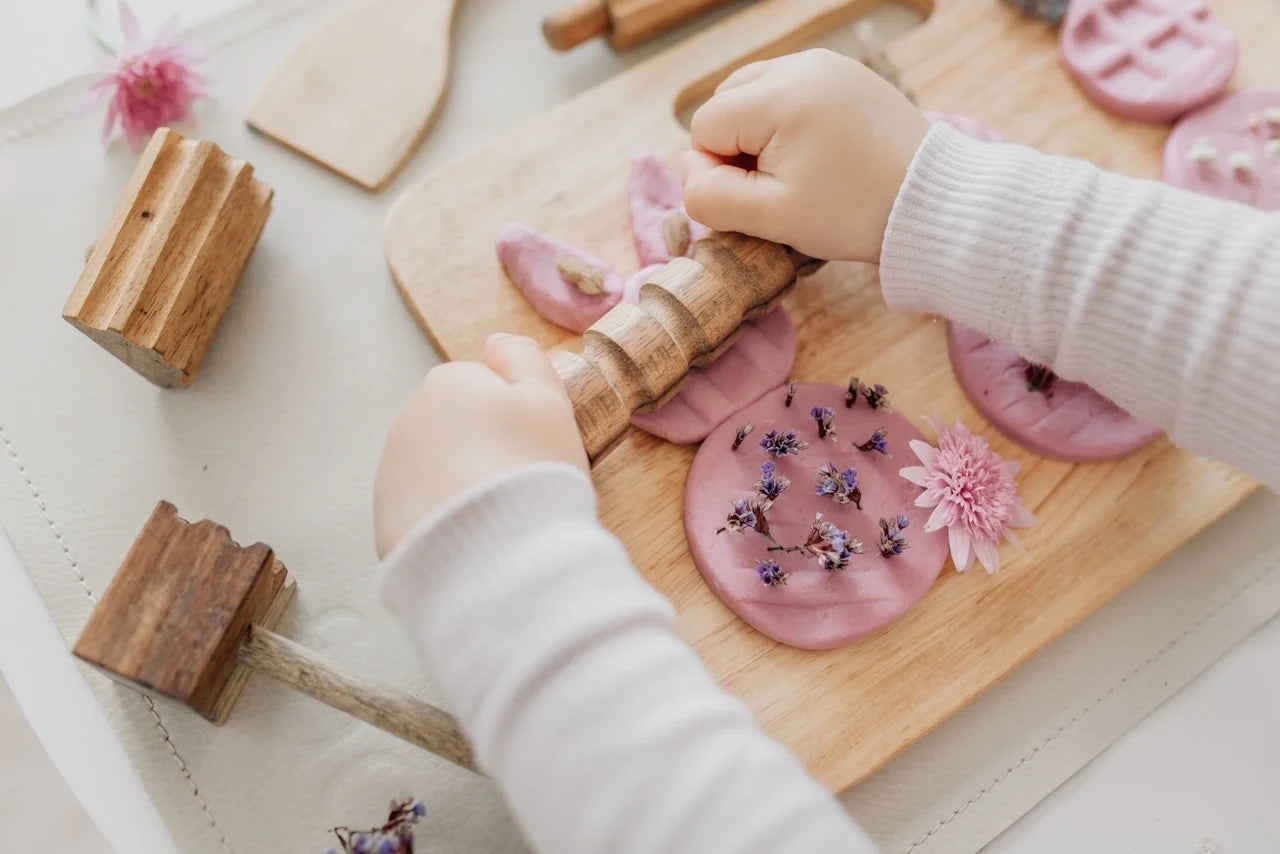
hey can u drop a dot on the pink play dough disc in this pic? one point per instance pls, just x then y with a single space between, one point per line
816 608
530 259
654 193
1245 123
1147 60
966 125
1067 421
760 359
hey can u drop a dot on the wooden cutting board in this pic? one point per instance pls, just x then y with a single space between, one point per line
845 712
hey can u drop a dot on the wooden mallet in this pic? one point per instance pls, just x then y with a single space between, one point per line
190 615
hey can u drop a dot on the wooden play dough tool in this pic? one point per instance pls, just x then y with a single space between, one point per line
626 23
157 282
359 94
190 615
690 311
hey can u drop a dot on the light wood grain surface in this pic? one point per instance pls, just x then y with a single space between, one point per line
359 94
626 22
845 712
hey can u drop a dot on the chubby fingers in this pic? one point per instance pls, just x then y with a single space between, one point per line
518 359
740 120
726 197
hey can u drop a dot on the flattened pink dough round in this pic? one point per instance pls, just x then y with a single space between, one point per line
529 257
1147 60
653 192
966 125
1069 421
815 609
760 359
1224 124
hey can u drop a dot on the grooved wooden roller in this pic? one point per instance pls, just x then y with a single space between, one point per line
690 311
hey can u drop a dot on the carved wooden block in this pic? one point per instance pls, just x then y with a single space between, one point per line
159 280
176 614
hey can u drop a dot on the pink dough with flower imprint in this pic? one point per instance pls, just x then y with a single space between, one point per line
1230 149
654 194
816 608
761 358
1065 421
1147 60
966 125
533 263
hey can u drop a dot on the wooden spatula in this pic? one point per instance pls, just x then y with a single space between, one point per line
358 94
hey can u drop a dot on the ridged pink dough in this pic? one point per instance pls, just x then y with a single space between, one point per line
760 359
1065 421
816 608
654 193
1230 149
533 261
966 125
1147 60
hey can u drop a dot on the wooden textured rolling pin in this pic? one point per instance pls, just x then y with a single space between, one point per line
690 311
626 22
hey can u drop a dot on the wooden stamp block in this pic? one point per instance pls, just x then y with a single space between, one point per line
159 280
174 618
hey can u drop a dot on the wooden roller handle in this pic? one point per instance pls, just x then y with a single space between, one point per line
626 22
690 311
409 718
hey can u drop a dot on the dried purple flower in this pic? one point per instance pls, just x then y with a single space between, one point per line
877 396
394 837
780 443
878 442
743 432
902 521
1039 378
742 517
840 485
792 388
891 540
771 574
826 421
770 485
830 545
851 395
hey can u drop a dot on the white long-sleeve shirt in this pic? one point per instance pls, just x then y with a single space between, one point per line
603 729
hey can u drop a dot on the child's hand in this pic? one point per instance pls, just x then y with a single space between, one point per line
832 142
467 424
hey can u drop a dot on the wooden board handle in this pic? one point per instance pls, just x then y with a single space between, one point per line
409 718
570 26
690 311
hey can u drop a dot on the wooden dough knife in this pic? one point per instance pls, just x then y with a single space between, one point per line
359 94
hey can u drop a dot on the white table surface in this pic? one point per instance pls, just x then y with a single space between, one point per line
1205 765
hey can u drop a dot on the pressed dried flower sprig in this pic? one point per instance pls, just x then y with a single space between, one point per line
840 485
877 396
395 836
825 419
892 542
879 442
782 443
741 436
792 388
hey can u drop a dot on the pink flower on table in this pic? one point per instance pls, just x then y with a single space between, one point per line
973 493
147 86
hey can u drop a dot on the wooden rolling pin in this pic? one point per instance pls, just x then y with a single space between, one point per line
690 311
626 22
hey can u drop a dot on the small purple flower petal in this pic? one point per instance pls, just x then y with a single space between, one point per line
826 421
781 443
771 574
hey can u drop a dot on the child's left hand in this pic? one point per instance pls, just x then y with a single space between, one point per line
467 424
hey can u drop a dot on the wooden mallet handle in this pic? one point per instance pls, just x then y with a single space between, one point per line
626 22
690 311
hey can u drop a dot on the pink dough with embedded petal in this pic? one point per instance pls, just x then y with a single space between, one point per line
1067 421
1226 128
530 259
815 609
1147 60
760 359
653 194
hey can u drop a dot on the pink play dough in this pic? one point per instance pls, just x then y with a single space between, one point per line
530 259
654 193
1067 421
761 358
966 125
815 609
1147 60
1231 126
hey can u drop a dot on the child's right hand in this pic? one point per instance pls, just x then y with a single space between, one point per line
832 142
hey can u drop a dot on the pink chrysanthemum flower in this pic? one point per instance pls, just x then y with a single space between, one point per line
973 493
147 86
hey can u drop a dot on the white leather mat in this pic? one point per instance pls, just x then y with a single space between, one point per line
278 440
